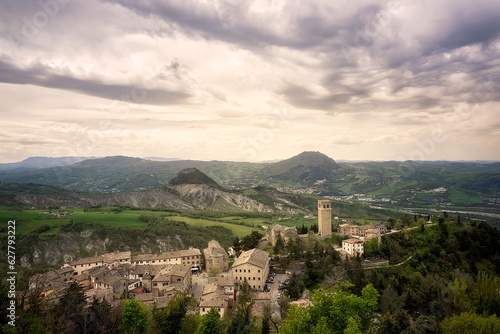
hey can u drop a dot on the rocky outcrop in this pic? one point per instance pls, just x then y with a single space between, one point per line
191 190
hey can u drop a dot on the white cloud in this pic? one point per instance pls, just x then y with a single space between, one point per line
250 80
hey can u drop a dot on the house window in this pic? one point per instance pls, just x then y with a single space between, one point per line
259 278
258 270
248 270
203 309
254 278
244 270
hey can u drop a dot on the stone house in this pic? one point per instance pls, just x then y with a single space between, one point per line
353 247
177 276
279 231
109 259
191 256
252 265
216 256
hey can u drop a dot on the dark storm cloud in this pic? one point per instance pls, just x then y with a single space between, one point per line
467 23
302 97
41 76
210 22
319 27
414 45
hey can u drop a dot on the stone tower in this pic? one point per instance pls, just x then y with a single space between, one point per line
325 218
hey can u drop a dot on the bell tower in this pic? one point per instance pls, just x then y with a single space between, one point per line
325 218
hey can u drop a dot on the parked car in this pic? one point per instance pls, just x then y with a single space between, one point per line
282 287
279 295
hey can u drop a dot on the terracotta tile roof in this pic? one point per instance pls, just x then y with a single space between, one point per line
217 301
222 281
104 258
139 289
209 289
352 241
254 256
165 274
152 269
214 249
261 296
166 255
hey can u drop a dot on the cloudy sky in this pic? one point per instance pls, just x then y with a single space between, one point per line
250 80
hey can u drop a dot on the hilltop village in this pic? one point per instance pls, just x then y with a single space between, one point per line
213 276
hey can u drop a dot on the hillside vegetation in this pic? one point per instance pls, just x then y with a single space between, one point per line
424 185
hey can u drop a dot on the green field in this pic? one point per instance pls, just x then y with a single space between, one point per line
238 230
461 197
29 220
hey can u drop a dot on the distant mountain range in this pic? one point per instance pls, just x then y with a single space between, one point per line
409 184
190 189
41 162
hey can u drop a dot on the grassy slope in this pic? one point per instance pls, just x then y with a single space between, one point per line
28 220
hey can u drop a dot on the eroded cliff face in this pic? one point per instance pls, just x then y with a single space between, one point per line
202 196
65 247
180 197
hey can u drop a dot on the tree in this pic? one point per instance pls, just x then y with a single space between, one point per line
69 311
372 247
251 241
191 323
303 229
294 248
295 287
333 311
279 246
102 318
245 294
135 317
214 272
266 328
242 322
237 246
471 323
353 326
210 323
395 324
488 299
399 224
169 320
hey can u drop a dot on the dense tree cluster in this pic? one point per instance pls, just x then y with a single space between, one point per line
248 242
441 279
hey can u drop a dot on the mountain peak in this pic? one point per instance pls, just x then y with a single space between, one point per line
193 176
306 167
310 158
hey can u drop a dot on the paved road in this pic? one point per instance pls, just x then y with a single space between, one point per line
280 278
198 283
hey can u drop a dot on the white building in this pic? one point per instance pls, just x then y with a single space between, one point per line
353 247
252 265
